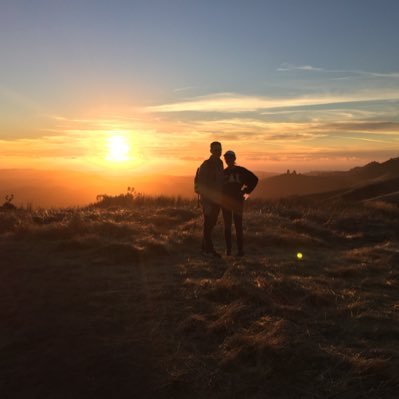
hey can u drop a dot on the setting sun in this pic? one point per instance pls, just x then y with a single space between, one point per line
118 149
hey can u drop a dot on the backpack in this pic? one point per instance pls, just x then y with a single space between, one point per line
196 181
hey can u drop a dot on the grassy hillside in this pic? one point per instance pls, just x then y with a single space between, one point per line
297 184
383 188
112 301
371 174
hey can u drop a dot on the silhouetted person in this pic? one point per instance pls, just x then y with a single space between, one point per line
238 183
210 183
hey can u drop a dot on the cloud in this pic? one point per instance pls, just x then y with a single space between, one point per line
394 75
258 132
46 147
285 67
167 135
367 139
340 113
368 126
187 88
233 102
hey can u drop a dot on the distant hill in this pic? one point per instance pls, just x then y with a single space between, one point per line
375 170
288 185
337 183
72 188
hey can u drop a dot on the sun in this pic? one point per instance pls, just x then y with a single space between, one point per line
118 149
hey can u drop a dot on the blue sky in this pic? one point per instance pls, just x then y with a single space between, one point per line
303 84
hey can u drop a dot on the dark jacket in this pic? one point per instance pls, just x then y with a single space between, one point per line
237 182
210 180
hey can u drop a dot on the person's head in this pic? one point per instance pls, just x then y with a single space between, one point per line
230 157
216 149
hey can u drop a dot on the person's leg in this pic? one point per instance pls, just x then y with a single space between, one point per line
206 229
207 239
238 223
211 213
213 218
227 221
214 215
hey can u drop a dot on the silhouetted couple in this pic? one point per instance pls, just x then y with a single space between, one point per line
224 189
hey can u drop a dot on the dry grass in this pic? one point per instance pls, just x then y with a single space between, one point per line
116 301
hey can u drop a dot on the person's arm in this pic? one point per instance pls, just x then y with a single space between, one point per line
250 181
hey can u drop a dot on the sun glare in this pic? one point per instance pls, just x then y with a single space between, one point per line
118 149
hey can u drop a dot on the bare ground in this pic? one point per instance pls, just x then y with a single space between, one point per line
100 303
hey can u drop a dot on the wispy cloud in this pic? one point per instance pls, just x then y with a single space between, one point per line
285 67
272 125
367 127
258 132
47 147
233 102
367 139
186 88
324 155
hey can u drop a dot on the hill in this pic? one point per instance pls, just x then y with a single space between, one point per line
375 170
76 188
386 189
305 184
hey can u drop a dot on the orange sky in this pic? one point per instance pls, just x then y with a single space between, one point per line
148 140
137 87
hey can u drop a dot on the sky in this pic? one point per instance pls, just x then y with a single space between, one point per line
145 86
